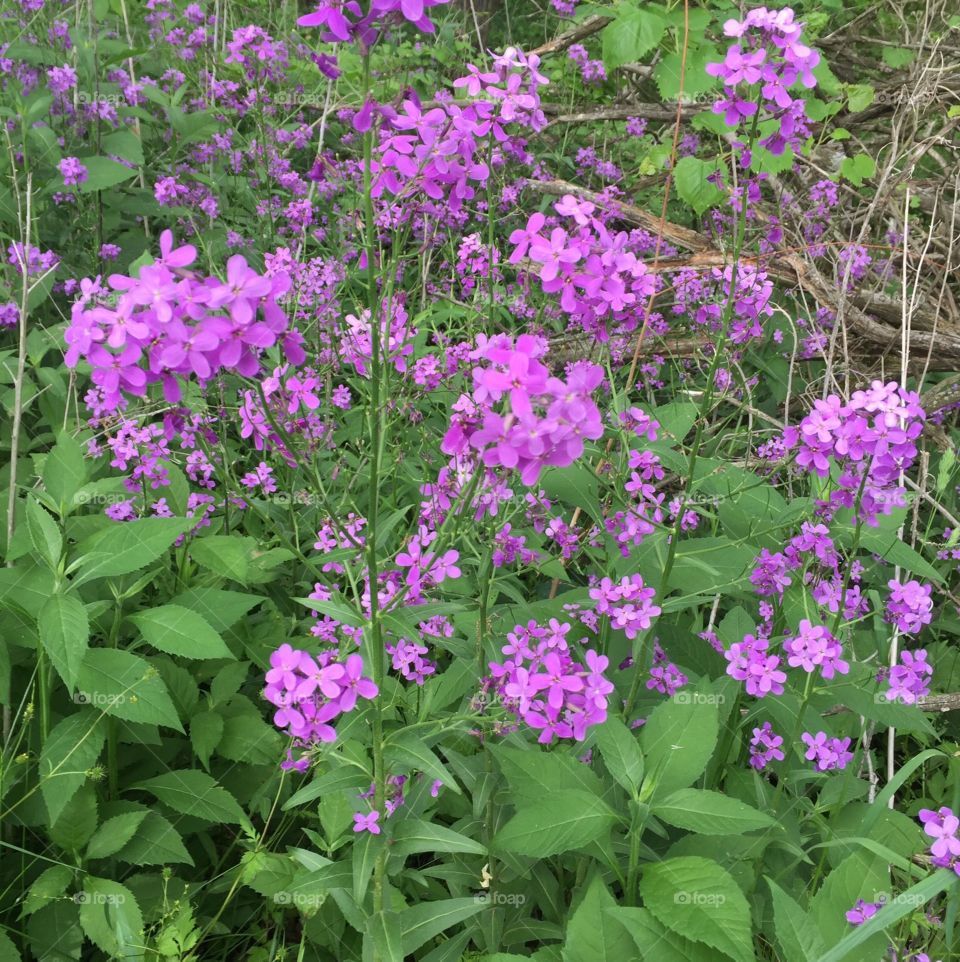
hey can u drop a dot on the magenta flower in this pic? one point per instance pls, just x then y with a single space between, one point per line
366 823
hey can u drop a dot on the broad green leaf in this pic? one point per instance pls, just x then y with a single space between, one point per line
64 471
575 485
861 875
156 842
690 177
621 753
710 813
632 35
54 932
386 936
656 942
673 67
111 919
414 835
77 820
226 555
102 172
699 899
206 730
796 931
114 833
537 774
8 951
192 792
180 631
420 923
218 607
888 546
65 634
51 884
129 546
677 742
555 824
858 168
127 686
72 748
592 935
44 534
907 903
346 778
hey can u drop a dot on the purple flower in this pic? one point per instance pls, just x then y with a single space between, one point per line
908 680
862 911
366 823
828 753
72 170
765 747
751 663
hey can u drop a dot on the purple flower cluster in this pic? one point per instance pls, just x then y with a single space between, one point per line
592 71
909 605
871 439
814 647
309 693
542 684
169 322
602 284
768 55
827 753
334 16
765 747
441 151
73 172
546 420
751 662
908 680
627 603
665 676
943 827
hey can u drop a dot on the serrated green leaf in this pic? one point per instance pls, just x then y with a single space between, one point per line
192 792
65 634
710 813
71 749
698 899
180 631
555 824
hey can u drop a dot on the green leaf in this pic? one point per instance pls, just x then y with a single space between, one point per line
340 779
114 833
226 555
386 936
575 485
592 935
555 824
77 820
677 742
857 169
907 903
155 843
192 792
206 730
219 607
692 68
406 750
535 774
111 918
118 683
710 813
796 932
860 875
65 634
8 951
897 57
859 96
698 899
44 535
655 941
102 172
71 749
888 546
180 631
631 36
50 884
621 753
422 922
127 547
690 176
64 471
417 835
